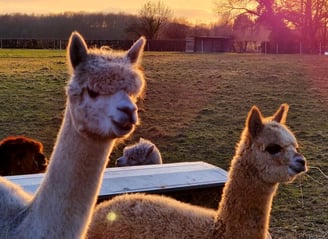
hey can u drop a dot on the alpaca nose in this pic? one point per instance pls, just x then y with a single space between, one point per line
130 111
299 164
301 161
121 161
118 162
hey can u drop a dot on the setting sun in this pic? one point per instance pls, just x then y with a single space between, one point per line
193 11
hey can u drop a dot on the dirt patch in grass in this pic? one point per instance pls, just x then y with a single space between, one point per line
194 109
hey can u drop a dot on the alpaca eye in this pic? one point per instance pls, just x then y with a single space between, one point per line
273 148
92 93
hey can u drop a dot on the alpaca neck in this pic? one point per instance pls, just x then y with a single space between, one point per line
246 204
68 192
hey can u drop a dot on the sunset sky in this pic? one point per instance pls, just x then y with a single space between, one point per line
195 11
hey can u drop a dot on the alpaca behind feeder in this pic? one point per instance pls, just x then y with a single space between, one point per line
100 108
21 155
265 156
142 153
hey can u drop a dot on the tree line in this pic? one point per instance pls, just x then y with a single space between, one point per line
94 26
283 26
284 23
59 26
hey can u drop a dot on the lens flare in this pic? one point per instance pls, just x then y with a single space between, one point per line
111 216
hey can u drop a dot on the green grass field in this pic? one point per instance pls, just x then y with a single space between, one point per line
195 109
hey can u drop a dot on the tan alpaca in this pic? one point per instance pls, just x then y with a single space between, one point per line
101 107
265 156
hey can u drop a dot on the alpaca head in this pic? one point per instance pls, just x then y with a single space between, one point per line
142 153
21 155
104 88
273 148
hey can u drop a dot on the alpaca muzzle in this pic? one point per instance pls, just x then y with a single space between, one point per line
121 162
127 121
298 165
130 112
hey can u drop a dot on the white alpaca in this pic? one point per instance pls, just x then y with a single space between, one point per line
101 107
142 153
266 155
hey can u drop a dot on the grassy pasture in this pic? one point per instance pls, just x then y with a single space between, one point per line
195 109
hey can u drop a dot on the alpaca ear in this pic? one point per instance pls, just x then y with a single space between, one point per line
149 150
281 115
135 52
254 121
77 49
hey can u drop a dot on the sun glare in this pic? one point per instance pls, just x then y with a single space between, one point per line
111 216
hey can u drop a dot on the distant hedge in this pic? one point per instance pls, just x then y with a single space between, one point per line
152 45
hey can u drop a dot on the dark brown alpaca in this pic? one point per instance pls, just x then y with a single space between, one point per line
21 155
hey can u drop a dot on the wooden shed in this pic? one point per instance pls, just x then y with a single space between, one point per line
208 44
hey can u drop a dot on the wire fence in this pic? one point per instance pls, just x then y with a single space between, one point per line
169 45
152 45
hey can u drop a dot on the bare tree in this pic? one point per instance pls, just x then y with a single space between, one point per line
301 20
231 9
152 17
314 19
243 32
